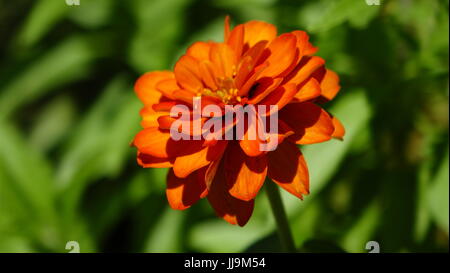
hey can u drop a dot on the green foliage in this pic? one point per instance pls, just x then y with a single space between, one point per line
68 113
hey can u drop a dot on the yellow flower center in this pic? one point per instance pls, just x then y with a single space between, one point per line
226 90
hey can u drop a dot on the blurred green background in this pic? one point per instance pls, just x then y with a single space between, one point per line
68 113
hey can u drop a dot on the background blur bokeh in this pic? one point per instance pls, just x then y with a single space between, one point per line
68 113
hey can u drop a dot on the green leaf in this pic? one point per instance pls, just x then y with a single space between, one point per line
16 244
428 21
354 112
230 238
422 209
323 15
321 246
438 195
323 159
152 46
219 236
52 124
362 230
61 65
93 13
27 183
166 236
100 144
99 147
304 225
44 15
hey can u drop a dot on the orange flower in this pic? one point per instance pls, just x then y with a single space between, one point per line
253 66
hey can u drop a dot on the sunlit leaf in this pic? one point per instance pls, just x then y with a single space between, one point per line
323 15
363 229
166 236
225 238
44 15
93 13
29 181
52 124
438 195
156 33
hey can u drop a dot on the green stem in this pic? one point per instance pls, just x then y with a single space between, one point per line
284 232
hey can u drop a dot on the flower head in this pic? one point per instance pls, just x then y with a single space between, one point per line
253 66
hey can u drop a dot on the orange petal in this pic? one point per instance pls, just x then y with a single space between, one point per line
187 74
303 44
207 100
207 74
248 63
231 209
223 60
150 117
185 165
149 161
152 141
167 87
256 31
309 90
226 32
288 169
283 54
184 95
280 97
183 192
330 85
251 147
201 179
236 40
145 86
339 130
196 157
251 81
164 106
284 131
199 50
186 126
245 175
159 143
212 168
166 121
251 141
211 172
188 97
256 52
211 137
264 88
305 69
310 122
245 67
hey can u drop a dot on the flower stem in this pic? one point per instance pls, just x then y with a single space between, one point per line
284 231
